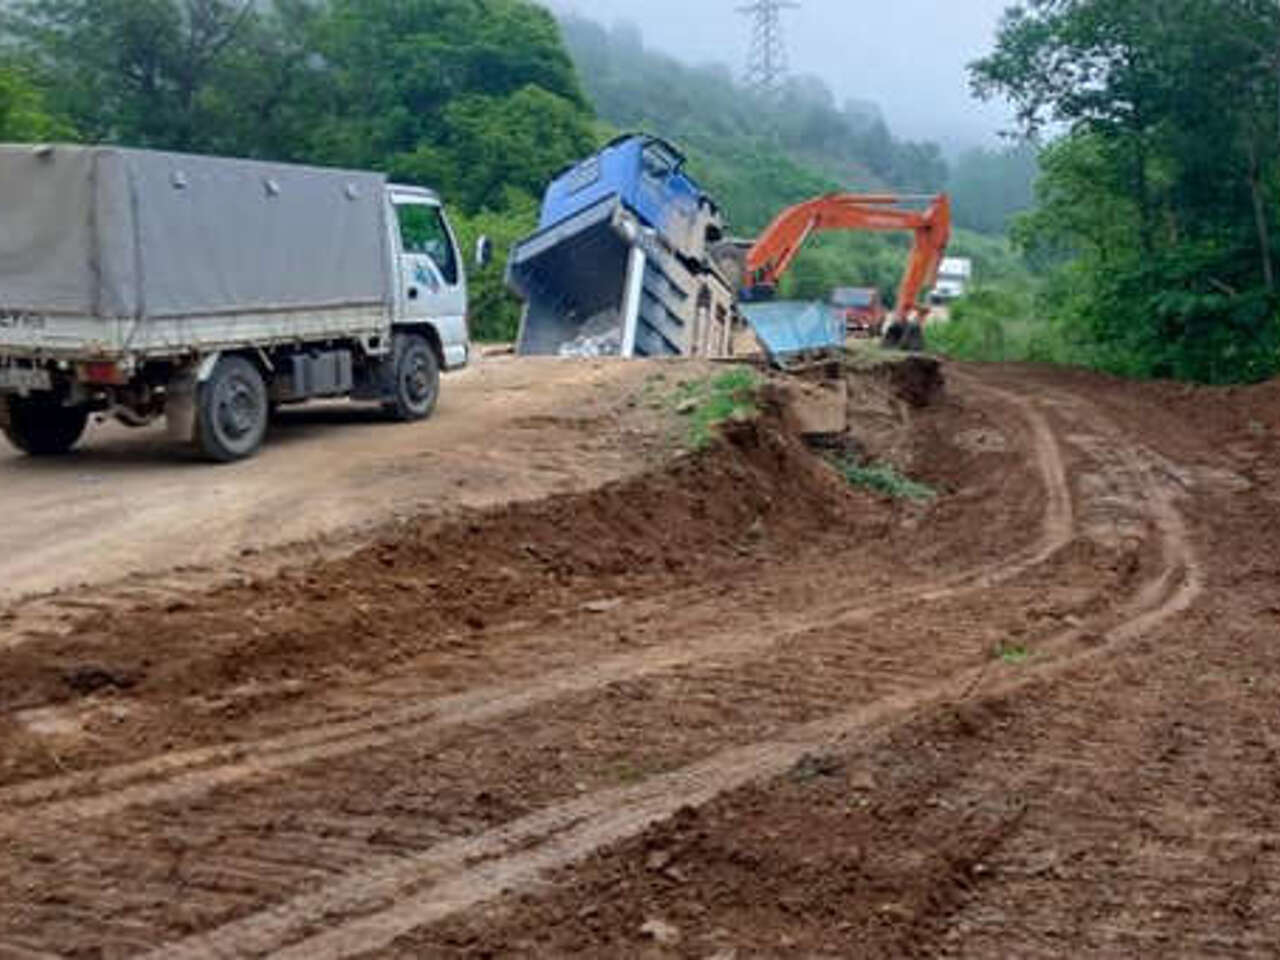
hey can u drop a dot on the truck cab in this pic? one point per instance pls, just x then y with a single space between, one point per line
954 276
430 277
862 309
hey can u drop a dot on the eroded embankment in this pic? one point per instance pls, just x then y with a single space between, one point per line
435 588
425 582
456 601
1117 800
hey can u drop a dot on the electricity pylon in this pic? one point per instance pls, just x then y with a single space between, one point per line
767 61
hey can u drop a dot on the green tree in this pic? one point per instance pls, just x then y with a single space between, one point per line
23 115
129 70
495 311
1157 207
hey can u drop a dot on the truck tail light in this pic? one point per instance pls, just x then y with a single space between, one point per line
105 372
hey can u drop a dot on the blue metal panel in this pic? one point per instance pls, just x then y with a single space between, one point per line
611 172
644 172
788 329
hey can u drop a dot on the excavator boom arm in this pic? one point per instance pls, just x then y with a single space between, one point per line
777 248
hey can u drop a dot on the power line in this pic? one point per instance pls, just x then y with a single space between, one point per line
767 60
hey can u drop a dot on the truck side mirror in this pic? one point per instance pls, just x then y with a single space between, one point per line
484 252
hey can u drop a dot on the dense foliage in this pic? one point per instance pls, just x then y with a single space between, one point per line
1157 206
990 187
23 114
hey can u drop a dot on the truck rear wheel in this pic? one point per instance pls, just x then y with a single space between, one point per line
232 411
41 426
417 380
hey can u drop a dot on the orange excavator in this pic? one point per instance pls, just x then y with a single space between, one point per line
776 249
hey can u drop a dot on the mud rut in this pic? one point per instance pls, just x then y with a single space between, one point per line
250 848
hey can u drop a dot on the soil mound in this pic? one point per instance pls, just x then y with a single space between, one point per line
431 584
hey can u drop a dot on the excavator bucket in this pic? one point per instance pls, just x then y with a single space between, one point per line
905 335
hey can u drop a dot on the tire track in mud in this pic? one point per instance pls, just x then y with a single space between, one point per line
185 775
457 874
367 888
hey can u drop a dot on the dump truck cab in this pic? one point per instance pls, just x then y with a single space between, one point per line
646 175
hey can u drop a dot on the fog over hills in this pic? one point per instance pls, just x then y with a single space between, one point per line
909 56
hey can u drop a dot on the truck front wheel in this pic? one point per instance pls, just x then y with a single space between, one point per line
417 380
41 426
232 411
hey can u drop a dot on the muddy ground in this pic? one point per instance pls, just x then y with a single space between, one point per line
724 705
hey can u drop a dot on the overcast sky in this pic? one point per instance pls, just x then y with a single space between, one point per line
908 56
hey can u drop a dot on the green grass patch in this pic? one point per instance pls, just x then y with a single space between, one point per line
1013 654
884 479
707 403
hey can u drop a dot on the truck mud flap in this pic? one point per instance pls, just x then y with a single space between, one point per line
180 407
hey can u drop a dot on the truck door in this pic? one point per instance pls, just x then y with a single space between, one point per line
432 284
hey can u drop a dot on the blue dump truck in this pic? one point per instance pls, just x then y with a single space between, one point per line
623 261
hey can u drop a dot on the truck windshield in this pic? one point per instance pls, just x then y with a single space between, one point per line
422 230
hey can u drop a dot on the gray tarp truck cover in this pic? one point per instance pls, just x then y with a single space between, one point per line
113 234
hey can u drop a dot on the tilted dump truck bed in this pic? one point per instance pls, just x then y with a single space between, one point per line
106 252
620 263
599 284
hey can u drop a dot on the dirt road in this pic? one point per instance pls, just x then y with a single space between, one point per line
128 503
725 707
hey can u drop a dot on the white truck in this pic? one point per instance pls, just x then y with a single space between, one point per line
208 291
954 276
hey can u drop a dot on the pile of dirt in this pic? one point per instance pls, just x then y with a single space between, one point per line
430 584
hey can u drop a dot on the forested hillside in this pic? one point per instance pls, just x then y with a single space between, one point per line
756 159
1156 225
990 188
